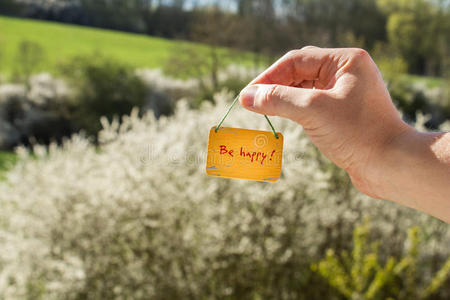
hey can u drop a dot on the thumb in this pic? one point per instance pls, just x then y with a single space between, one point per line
278 100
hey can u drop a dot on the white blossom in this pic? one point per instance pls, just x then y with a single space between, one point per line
137 217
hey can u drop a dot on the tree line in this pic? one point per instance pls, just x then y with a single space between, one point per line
417 31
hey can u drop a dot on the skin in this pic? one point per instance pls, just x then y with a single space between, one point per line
340 99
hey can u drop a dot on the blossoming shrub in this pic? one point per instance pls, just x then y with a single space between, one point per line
232 78
137 217
46 108
36 110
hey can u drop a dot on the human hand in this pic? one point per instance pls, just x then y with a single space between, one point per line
340 99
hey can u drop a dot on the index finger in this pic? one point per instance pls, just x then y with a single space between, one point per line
297 66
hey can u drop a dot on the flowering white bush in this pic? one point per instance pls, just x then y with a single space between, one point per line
238 72
162 91
23 109
138 218
45 89
176 88
45 106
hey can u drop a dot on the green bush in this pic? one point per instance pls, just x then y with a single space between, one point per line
7 160
362 275
103 87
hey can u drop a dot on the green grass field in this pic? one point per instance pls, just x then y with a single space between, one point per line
61 42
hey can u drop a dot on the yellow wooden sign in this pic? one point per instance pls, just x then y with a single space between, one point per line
245 154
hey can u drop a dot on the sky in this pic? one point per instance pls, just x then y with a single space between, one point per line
231 5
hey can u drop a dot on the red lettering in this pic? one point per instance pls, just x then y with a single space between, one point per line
271 156
253 156
263 157
223 149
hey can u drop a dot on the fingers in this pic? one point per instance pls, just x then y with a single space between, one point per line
284 101
305 65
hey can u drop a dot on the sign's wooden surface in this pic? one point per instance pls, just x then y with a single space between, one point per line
245 154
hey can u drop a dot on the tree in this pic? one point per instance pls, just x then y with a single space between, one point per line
115 14
325 23
28 59
9 7
258 28
417 29
221 30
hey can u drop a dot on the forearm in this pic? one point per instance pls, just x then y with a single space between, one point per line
415 171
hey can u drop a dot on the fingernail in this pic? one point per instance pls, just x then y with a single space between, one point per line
248 96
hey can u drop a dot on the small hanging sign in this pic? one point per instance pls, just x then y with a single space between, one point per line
244 154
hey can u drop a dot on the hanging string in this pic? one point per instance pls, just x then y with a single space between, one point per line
271 126
228 111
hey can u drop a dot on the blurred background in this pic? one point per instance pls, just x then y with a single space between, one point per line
105 108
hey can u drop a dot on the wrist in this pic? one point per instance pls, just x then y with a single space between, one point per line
375 178
414 171
391 162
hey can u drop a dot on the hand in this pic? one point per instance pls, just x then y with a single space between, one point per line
340 99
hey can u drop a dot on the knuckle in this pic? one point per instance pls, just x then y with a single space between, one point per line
360 54
358 58
309 47
297 52
273 92
292 53
316 100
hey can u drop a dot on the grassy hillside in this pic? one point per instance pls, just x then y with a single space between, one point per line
61 42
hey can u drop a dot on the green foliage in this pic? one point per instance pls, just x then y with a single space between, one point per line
9 6
406 35
418 30
187 61
7 160
446 98
363 275
391 65
29 57
103 87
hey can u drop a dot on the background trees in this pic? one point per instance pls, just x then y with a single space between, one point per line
416 30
